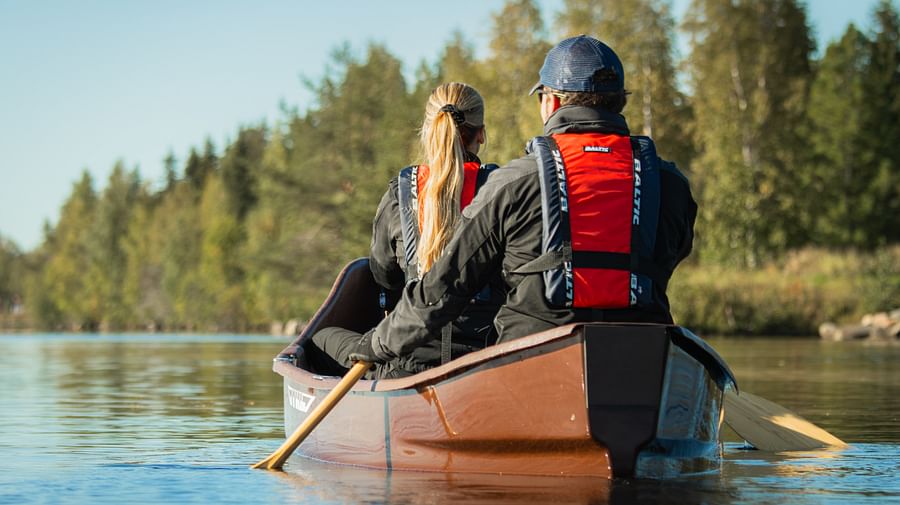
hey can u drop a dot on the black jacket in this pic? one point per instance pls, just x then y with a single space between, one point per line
472 330
501 231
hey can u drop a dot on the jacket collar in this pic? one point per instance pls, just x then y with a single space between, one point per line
581 119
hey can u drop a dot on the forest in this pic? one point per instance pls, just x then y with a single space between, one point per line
792 154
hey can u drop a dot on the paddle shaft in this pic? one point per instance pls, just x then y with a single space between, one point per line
276 460
771 427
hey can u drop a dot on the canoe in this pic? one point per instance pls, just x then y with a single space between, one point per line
600 400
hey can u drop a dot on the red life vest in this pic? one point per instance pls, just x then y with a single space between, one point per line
600 205
410 183
470 176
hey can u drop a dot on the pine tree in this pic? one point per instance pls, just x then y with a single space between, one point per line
170 163
457 63
270 253
105 247
837 176
220 273
881 124
194 171
10 275
366 125
750 72
321 179
517 52
239 167
209 162
142 285
68 290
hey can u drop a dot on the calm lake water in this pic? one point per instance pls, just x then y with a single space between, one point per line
178 419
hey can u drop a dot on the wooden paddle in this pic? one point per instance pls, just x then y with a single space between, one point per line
771 427
276 460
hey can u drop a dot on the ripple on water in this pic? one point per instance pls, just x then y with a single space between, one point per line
179 419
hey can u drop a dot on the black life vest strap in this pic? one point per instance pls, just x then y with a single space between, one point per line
592 259
547 261
556 238
408 198
483 172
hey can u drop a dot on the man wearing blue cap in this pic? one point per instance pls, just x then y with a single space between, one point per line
588 226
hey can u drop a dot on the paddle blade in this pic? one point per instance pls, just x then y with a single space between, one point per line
771 427
276 460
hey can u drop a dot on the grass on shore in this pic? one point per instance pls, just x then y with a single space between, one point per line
790 296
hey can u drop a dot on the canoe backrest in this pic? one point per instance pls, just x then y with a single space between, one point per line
352 303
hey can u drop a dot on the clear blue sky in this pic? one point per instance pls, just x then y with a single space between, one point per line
83 84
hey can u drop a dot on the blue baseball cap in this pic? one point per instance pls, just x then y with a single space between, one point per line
571 65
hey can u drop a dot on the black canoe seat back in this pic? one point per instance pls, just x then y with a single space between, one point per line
353 303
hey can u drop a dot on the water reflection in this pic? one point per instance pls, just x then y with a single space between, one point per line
177 419
328 482
851 389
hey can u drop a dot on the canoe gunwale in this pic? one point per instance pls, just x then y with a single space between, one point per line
289 370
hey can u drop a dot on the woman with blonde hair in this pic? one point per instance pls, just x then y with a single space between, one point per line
414 222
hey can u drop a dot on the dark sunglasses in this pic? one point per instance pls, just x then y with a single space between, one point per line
540 92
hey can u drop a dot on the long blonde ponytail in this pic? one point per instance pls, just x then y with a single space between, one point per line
454 111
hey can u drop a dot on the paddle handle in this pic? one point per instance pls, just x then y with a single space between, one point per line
276 460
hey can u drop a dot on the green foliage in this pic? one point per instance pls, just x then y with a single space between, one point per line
107 259
200 166
838 141
169 162
789 296
238 168
853 111
63 278
11 276
220 273
142 286
320 180
881 122
750 70
517 52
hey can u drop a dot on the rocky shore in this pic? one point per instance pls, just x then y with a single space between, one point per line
878 326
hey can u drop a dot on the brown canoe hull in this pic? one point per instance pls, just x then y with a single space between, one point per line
599 400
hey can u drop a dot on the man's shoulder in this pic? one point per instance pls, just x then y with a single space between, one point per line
669 168
505 183
511 172
666 167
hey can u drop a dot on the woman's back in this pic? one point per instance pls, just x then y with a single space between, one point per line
393 261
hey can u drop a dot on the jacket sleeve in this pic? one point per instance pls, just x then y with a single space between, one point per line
679 211
472 257
385 233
